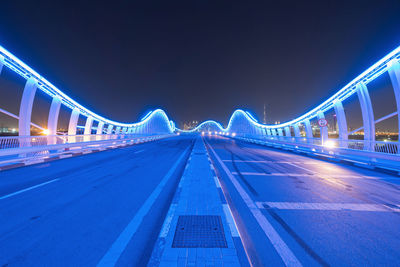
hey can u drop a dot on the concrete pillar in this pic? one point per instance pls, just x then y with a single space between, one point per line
53 115
280 132
88 125
25 109
73 121
296 130
52 121
341 121
367 115
110 128
394 73
273 130
323 130
124 130
307 126
100 127
269 132
117 130
287 131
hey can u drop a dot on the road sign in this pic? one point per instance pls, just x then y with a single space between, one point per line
322 122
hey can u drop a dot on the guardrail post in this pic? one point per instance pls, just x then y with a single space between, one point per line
52 121
394 73
341 122
322 130
309 134
25 110
367 115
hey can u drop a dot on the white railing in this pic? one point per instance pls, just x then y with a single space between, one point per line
387 147
28 141
22 148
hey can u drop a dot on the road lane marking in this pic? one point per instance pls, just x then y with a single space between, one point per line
327 206
138 151
271 161
330 176
305 169
280 246
29 188
217 182
117 248
230 221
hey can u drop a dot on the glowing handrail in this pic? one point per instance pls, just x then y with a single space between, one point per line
366 77
15 64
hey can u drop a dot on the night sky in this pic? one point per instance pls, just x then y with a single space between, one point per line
200 60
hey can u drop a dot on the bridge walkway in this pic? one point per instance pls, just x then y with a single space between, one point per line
198 201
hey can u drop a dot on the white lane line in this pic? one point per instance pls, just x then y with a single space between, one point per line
328 206
231 222
297 166
325 176
168 220
280 246
217 182
271 161
29 188
138 151
112 255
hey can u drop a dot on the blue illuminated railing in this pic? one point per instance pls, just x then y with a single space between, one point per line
19 67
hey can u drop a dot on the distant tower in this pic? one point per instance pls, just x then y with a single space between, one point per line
265 115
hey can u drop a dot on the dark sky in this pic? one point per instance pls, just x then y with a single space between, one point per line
200 59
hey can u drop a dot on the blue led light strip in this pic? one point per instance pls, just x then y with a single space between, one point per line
16 65
366 77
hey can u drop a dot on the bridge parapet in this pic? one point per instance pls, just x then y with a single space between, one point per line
155 122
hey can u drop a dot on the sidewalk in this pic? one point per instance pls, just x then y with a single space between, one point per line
206 234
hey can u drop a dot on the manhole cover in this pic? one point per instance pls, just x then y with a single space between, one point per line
199 231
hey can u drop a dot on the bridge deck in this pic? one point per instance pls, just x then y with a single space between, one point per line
109 207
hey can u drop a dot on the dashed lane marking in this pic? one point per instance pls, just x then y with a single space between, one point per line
27 189
328 206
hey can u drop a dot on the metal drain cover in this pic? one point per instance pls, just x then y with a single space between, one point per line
199 231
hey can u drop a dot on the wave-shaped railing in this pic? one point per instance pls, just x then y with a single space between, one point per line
156 122
242 123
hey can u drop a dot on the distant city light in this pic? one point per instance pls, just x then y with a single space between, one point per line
46 132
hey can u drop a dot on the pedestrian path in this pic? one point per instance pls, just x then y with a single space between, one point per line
199 229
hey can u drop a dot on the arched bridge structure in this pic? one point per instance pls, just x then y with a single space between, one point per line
244 194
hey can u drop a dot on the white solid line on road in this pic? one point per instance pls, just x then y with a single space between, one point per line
168 220
297 166
29 188
217 182
138 151
112 255
328 176
231 222
271 161
280 246
328 206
